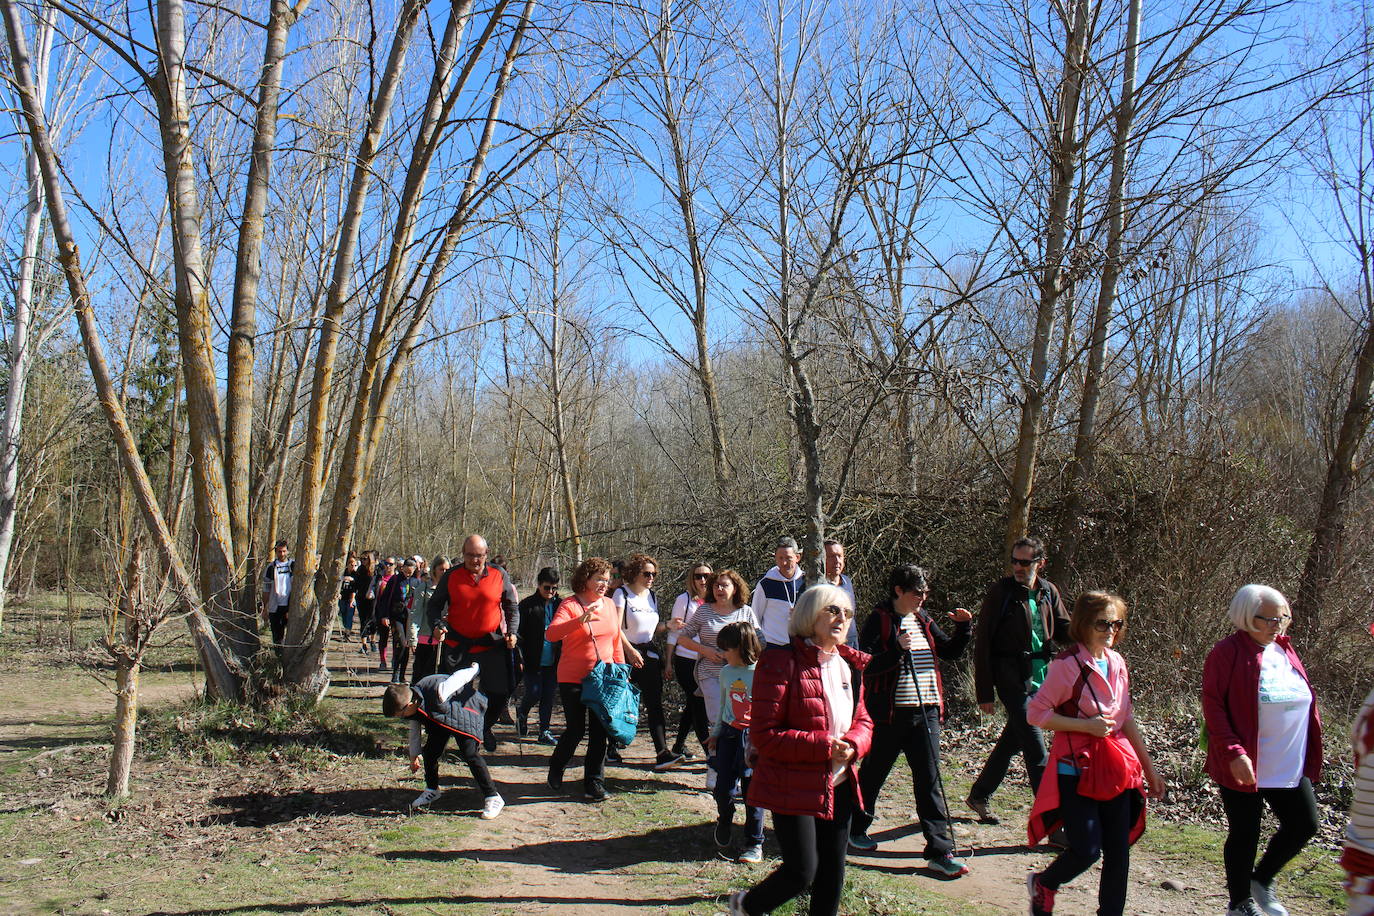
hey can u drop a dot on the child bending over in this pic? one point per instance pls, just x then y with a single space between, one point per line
447 705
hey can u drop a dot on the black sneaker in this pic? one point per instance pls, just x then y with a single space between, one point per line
666 761
489 741
595 791
613 756
555 780
722 833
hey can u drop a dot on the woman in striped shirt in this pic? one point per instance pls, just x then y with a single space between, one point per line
906 699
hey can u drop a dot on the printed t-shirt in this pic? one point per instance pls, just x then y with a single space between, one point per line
1284 702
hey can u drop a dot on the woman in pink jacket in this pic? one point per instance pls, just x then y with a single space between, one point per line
810 728
1098 762
1264 746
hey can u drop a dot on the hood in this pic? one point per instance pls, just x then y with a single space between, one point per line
775 574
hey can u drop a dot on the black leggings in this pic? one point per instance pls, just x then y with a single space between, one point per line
693 706
649 679
1296 811
579 721
813 851
1096 830
436 739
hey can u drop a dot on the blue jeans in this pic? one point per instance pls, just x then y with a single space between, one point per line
541 686
731 765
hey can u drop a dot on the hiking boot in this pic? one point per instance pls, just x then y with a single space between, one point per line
546 737
1246 907
492 807
721 834
1041 897
613 755
980 807
945 865
595 791
489 741
862 841
752 854
666 761
425 799
1265 899
555 780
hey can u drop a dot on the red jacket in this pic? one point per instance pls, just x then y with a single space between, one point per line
1230 706
790 729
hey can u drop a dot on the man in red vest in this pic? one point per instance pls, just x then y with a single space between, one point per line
476 607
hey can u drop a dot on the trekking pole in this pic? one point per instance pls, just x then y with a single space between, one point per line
930 747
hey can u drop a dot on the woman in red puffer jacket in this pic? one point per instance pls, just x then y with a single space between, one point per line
809 729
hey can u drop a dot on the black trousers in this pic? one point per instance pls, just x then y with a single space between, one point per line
493 668
813 854
1018 737
580 721
436 739
1096 829
649 679
400 658
1296 811
693 706
277 621
426 661
915 732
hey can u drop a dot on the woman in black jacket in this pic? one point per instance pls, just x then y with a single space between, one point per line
906 698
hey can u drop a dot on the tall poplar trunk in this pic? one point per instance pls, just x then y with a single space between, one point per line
1085 439
1050 283
221 672
20 357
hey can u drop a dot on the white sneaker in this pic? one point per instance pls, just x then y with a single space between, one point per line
424 799
1265 899
492 807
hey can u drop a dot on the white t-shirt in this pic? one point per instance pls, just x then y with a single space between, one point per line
839 696
683 609
1284 703
280 575
641 615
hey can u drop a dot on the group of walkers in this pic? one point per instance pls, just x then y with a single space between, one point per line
802 714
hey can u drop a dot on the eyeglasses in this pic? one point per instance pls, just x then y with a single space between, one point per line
1274 621
835 610
1017 561
1103 626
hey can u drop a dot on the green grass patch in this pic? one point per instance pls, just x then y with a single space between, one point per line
289 728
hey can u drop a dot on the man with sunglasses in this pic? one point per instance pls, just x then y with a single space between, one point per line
1022 618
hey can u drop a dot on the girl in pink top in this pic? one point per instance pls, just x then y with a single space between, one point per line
588 625
1086 700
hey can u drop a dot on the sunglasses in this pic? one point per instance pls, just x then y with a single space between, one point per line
701 575
1017 561
835 610
648 574
1103 626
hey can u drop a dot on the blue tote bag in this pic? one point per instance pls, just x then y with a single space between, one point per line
608 693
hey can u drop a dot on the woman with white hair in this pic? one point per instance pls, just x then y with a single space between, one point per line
809 727
1264 746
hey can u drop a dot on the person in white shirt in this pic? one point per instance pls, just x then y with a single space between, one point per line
640 628
276 591
684 660
777 592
